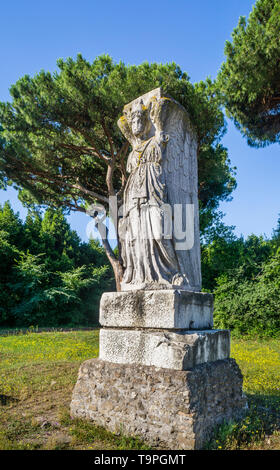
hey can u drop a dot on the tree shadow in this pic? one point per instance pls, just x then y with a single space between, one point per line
261 420
6 400
267 409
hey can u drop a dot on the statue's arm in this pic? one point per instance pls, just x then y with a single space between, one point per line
129 164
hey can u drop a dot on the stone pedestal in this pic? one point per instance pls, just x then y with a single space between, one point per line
163 373
162 309
167 408
179 351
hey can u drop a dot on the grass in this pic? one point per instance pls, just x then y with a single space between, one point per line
39 370
259 361
37 374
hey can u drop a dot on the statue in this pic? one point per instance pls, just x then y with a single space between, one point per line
161 366
162 171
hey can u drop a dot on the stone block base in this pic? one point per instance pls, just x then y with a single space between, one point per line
167 309
166 408
171 350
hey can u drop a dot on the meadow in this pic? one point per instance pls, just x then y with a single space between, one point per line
39 370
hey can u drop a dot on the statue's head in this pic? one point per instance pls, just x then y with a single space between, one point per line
140 124
136 123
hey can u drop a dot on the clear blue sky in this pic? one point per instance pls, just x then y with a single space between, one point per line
34 34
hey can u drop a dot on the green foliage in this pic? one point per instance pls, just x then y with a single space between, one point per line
222 252
247 302
239 434
244 275
249 79
276 236
47 276
3 177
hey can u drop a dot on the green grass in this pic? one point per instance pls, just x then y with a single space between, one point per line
31 363
37 374
259 361
39 370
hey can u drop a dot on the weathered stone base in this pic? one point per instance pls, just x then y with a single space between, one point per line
167 309
169 349
168 409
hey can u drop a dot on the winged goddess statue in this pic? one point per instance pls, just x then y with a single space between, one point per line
159 229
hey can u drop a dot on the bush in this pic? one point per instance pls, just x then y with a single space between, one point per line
48 277
250 305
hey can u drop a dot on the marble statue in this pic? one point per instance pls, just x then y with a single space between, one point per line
163 373
160 198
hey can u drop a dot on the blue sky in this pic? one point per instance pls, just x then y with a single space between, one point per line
34 34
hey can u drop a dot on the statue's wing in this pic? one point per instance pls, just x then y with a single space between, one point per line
179 161
179 156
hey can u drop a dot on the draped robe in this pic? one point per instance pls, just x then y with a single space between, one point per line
147 256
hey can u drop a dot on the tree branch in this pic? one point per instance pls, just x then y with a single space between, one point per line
87 137
108 135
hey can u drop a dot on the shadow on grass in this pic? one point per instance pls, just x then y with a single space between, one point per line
267 408
262 419
6 400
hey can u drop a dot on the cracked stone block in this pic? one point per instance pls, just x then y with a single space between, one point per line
171 350
168 309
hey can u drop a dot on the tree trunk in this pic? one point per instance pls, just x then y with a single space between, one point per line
116 264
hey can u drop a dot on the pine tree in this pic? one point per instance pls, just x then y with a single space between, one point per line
63 147
249 79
